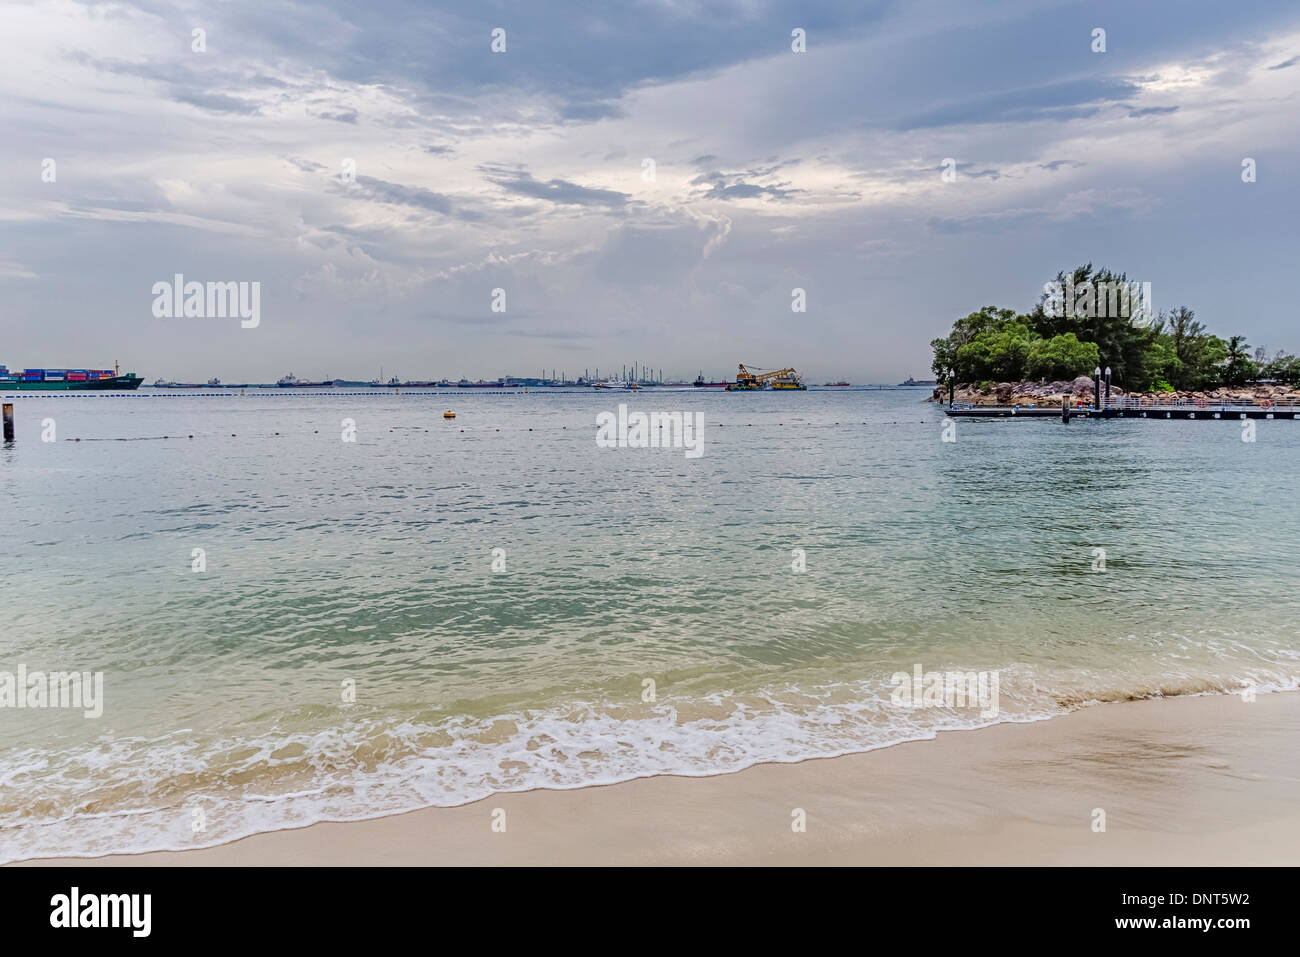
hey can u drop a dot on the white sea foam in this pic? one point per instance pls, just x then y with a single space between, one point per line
371 763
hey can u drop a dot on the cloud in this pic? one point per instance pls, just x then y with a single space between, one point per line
558 191
745 184
380 191
588 111
1069 100
522 171
217 102
1153 111
13 270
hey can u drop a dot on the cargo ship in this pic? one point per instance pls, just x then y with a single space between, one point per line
67 380
161 384
699 383
291 381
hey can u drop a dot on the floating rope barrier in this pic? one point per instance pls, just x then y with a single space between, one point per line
472 430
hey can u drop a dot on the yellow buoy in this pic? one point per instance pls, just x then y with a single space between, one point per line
449 415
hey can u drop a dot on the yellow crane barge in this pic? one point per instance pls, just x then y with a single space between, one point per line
757 379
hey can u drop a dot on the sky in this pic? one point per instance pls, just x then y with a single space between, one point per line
646 181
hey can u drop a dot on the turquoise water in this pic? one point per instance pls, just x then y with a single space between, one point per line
372 562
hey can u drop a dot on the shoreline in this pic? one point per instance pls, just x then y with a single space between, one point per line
1052 394
1198 779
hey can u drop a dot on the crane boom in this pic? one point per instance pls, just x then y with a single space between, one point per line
761 376
756 378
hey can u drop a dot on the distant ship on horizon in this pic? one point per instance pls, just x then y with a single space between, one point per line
699 383
67 380
291 381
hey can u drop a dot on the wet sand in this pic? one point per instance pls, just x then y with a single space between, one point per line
1182 781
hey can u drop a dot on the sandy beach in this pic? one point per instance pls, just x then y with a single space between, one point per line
1209 780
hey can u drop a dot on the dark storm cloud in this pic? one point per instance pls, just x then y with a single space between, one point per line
587 52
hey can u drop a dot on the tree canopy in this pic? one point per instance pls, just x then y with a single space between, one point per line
1089 318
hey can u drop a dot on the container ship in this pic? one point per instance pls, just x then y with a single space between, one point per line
67 380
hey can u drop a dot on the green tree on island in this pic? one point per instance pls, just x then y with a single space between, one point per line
1166 352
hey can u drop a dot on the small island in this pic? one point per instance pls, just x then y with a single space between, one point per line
1087 319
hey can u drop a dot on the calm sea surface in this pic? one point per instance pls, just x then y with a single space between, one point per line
333 565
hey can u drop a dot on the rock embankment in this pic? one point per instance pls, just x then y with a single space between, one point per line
1081 390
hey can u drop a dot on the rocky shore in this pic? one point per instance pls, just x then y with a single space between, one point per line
1081 390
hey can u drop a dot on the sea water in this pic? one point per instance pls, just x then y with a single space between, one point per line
291 626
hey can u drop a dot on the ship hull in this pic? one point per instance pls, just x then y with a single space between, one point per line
121 383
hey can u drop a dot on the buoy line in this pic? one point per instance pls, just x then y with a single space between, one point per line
472 430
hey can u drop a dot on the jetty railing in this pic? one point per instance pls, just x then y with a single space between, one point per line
1147 404
1144 403
1173 407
